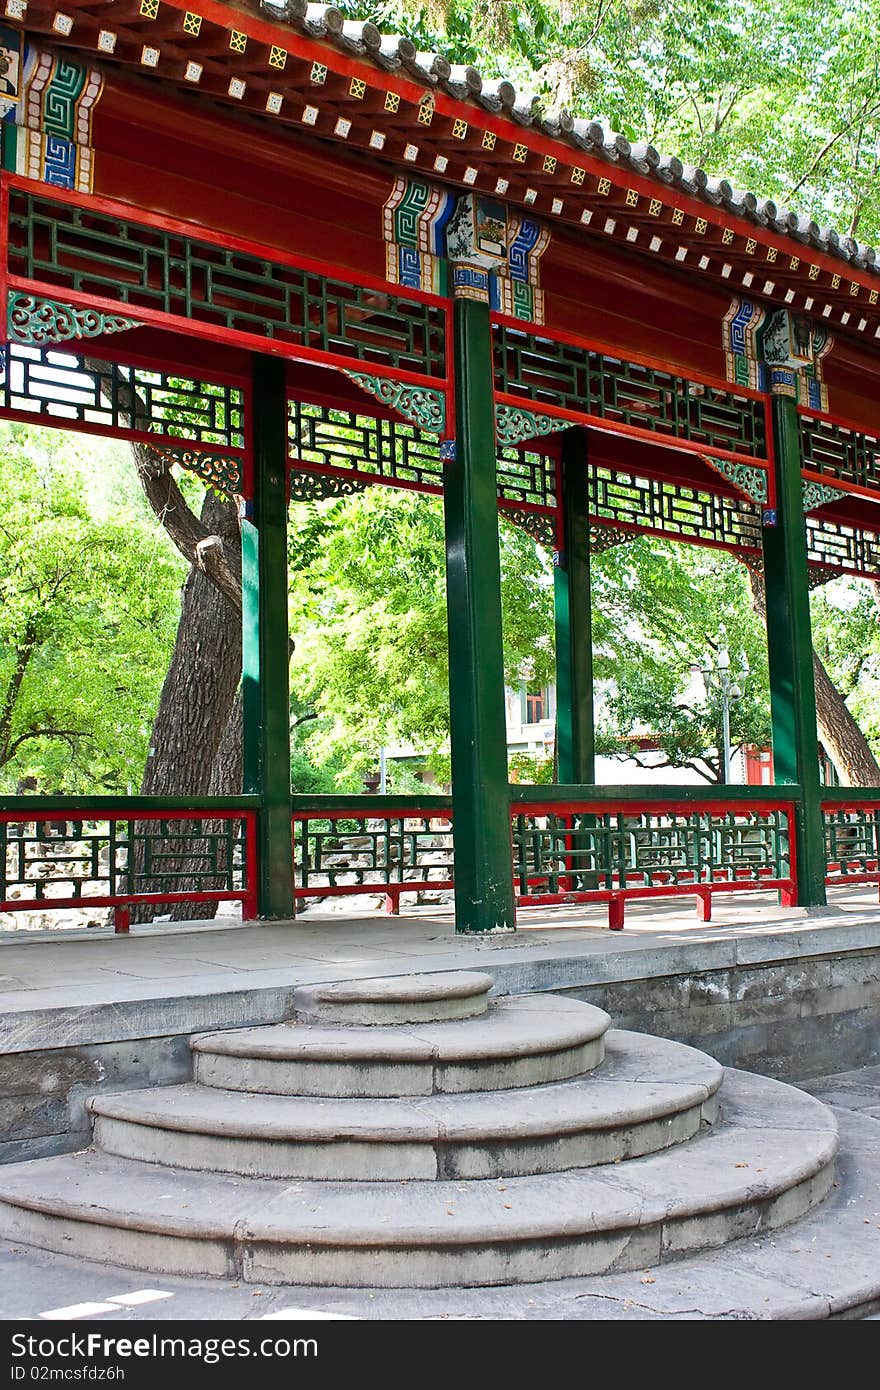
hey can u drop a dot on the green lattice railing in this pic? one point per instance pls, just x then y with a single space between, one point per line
614 845
547 372
125 262
852 835
574 851
838 452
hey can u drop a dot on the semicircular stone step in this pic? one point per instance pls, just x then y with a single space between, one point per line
524 1040
393 999
650 1094
768 1161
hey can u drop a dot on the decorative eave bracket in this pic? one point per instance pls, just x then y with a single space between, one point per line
222 472
38 322
513 424
421 405
747 478
818 494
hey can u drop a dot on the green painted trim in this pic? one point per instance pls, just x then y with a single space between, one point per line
481 817
521 794
421 405
80 805
572 599
366 803
265 659
36 322
790 652
844 796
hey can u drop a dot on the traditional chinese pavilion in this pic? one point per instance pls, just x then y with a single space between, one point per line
299 258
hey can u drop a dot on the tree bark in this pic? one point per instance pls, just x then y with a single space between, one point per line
844 741
841 736
195 744
202 679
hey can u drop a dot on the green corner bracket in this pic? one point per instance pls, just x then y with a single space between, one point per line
818 494
37 322
747 478
513 424
421 405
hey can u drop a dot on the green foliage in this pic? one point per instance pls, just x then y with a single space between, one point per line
368 614
88 608
846 636
529 768
662 607
783 99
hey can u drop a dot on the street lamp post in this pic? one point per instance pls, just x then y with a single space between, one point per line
717 676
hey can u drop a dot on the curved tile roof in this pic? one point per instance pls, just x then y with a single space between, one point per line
393 52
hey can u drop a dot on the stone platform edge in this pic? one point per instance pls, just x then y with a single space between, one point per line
36 1020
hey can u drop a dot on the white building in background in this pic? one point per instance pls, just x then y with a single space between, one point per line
531 730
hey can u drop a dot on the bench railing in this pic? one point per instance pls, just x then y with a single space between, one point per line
568 844
852 835
125 852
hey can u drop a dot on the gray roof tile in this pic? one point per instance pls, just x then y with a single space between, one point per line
391 52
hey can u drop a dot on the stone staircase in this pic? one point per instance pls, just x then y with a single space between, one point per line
414 1133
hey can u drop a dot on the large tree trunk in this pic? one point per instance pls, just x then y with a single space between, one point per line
195 746
844 741
202 679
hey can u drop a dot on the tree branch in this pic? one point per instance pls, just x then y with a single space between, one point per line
197 545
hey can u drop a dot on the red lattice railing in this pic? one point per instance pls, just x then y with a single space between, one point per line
113 853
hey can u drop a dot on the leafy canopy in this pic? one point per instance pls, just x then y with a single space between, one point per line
88 607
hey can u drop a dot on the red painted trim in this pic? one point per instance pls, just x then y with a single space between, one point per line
641 359
247 471
839 420
327 470
771 453
684 890
120 900
4 226
844 485
196 231
396 886
833 880
792 897
86 813
605 426
358 813
249 909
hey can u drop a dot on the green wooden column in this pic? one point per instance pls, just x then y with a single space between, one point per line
480 796
265 650
575 741
790 649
